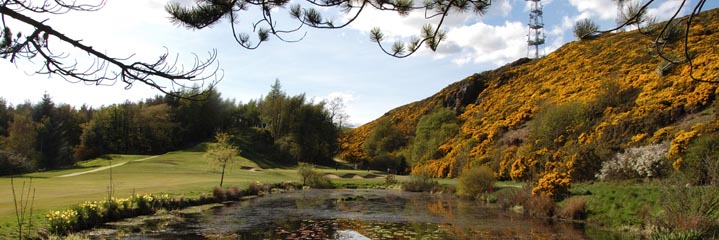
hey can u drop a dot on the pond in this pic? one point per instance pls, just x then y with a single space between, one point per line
348 214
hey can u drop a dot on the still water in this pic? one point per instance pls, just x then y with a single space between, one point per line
349 214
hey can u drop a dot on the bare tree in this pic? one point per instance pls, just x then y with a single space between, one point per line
164 74
336 107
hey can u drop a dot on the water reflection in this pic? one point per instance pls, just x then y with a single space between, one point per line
352 214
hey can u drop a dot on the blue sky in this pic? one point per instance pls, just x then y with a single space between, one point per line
327 63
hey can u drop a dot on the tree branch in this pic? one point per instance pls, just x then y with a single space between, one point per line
148 73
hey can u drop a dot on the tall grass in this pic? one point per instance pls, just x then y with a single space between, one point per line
689 211
420 183
21 207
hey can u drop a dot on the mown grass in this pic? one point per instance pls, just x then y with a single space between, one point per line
181 173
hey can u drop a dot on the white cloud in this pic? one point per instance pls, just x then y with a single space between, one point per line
482 43
604 9
665 10
501 7
469 40
395 26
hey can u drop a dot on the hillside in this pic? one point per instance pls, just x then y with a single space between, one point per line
569 111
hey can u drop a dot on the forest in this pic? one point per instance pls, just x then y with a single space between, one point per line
277 127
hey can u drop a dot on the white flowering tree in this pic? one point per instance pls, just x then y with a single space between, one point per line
638 162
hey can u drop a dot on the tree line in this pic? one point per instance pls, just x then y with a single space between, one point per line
277 128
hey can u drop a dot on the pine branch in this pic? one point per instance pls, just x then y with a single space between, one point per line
163 74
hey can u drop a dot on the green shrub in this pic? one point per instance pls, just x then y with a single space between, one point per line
305 171
689 211
433 130
475 181
700 164
585 29
419 183
312 178
555 124
316 180
390 179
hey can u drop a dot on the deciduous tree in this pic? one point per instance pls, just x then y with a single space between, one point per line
222 153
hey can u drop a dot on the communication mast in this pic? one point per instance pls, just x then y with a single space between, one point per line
535 37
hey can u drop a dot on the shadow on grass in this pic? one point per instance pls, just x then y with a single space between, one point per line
266 162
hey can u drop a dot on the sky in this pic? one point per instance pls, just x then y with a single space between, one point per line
325 64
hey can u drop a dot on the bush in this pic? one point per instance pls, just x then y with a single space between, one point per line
673 31
418 183
312 178
690 211
390 179
585 29
700 163
640 162
257 188
305 171
575 208
219 193
555 124
507 198
11 163
540 206
475 181
316 180
234 193
554 185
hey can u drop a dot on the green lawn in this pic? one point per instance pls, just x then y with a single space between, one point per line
183 173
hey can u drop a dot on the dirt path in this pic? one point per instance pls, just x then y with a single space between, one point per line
105 167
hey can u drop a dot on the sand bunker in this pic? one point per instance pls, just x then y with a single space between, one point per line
350 175
330 176
249 169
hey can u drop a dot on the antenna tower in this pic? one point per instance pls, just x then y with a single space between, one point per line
535 37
